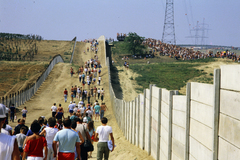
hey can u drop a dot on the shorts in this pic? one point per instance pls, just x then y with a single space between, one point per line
96 112
70 111
64 156
24 115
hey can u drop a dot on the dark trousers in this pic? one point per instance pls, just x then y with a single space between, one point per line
53 114
84 154
12 117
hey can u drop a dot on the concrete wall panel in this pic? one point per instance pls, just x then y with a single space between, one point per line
179 102
155 92
141 120
165 122
163 150
165 96
179 118
229 129
202 92
230 103
201 133
199 151
165 108
202 113
178 149
227 151
178 133
232 71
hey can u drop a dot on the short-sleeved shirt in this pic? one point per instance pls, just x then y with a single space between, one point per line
54 109
18 127
12 109
97 108
20 139
103 133
34 147
67 139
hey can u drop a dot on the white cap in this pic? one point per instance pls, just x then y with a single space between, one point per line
70 102
85 120
2 111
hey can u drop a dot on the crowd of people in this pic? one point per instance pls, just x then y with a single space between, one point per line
65 136
184 53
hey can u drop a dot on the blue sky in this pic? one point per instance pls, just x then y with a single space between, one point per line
65 19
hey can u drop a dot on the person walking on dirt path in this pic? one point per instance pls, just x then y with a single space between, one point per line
85 134
96 110
78 92
60 108
70 108
80 78
24 113
99 72
103 109
9 146
35 144
60 114
99 80
75 91
103 132
68 139
65 94
54 110
12 112
99 92
102 94
71 71
49 133
89 96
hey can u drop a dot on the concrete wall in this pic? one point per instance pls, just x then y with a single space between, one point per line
178 127
229 123
204 124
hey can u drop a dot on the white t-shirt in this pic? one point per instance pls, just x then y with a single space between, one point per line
99 78
75 109
50 134
99 91
80 75
78 90
81 110
89 113
103 133
24 111
7 145
8 128
54 109
4 131
20 139
71 106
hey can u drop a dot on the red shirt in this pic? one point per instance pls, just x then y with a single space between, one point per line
65 92
34 147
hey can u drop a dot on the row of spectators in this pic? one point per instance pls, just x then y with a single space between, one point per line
184 53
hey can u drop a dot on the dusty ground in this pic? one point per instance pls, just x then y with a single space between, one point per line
51 92
15 76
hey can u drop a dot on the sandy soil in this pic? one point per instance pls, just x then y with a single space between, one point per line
51 92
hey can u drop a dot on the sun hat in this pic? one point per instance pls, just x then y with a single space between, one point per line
2 111
85 120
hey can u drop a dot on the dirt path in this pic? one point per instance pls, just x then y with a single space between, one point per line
51 92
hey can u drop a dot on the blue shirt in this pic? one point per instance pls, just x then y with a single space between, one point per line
67 139
97 108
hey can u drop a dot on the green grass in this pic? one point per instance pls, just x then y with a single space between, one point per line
171 76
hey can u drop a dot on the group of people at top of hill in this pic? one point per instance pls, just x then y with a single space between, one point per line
178 52
62 136
48 139
93 47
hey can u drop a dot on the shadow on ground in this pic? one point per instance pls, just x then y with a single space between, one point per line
115 82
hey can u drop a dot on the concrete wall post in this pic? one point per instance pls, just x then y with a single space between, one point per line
187 128
171 93
216 111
